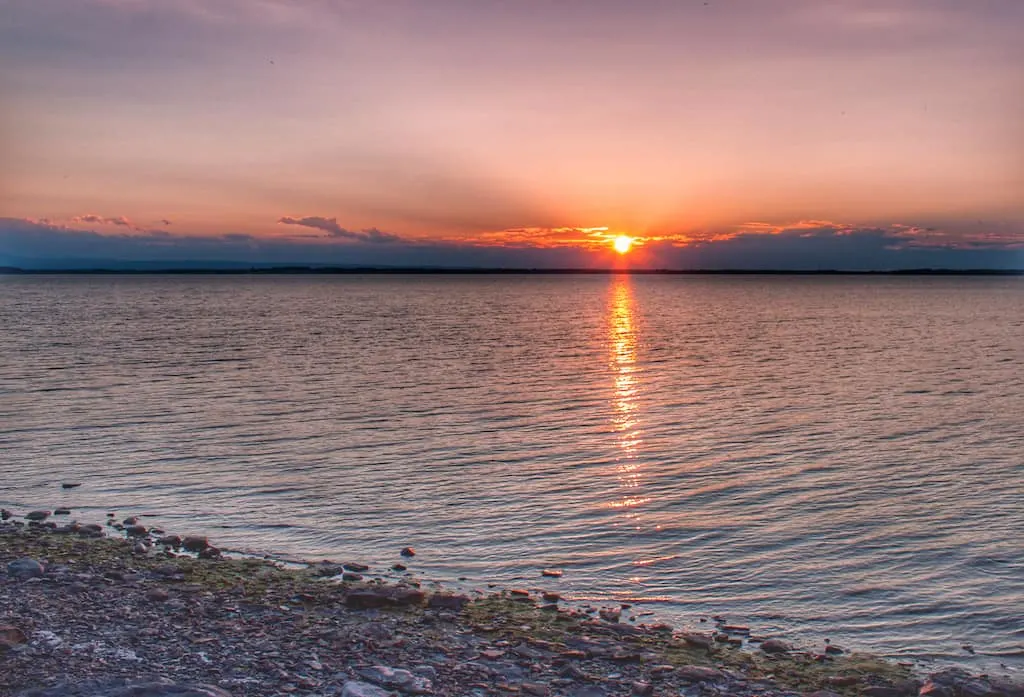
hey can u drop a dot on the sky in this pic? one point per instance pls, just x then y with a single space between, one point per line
721 133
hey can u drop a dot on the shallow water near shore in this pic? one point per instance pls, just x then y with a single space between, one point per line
814 456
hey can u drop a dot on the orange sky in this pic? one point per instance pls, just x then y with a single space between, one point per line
528 123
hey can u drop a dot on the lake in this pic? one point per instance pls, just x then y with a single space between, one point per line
815 456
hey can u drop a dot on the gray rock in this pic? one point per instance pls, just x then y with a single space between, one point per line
25 568
62 511
5 514
70 485
357 568
396 679
137 530
354 688
408 552
37 515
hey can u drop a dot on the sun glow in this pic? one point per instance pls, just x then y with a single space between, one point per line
622 244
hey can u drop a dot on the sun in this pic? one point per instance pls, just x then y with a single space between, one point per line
622 244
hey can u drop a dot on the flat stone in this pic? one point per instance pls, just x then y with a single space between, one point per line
351 576
70 485
62 511
535 688
25 568
357 568
37 515
448 601
137 530
699 674
700 640
355 688
396 679
551 573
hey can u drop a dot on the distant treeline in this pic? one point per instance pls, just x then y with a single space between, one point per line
353 270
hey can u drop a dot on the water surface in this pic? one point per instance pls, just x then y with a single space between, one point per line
817 456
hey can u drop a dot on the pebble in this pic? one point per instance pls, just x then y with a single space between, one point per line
157 595
62 511
11 636
209 553
551 573
353 566
408 552
25 568
137 530
351 576
130 521
398 567
37 515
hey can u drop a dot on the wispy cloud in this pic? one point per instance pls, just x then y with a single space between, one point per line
101 220
333 229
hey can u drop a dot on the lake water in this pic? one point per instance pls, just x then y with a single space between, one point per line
814 456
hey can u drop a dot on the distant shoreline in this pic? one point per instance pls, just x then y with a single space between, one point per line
372 270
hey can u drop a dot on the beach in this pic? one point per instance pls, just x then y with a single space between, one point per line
121 609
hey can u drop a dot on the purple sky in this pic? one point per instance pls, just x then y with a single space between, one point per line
798 132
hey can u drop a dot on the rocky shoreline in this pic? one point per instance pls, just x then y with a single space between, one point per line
141 613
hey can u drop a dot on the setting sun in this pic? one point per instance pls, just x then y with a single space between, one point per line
622 244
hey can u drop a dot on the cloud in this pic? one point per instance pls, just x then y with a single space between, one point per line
800 246
331 227
100 220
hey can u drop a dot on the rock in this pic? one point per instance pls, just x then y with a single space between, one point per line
157 595
610 615
127 688
642 689
535 688
37 515
934 689
551 573
170 541
699 640
209 553
350 576
589 691
396 679
550 597
355 688
62 511
140 548
881 691
366 599
698 674
776 646
137 530
327 570
195 543
25 568
5 514
408 552
131 520
822 693
356 567
405 597
834 650
11 636
70 485
399 567
448 601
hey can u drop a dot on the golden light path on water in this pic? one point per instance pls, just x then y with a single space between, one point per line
622 348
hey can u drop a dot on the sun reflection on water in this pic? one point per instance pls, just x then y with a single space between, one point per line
622 349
